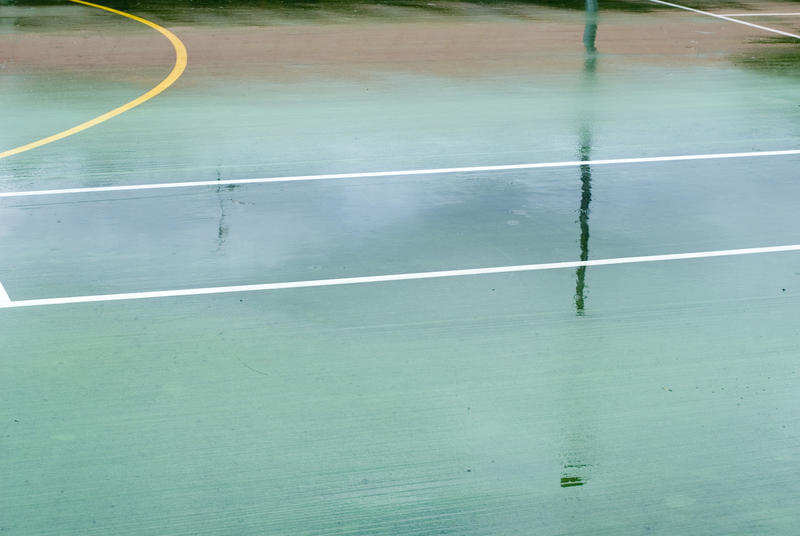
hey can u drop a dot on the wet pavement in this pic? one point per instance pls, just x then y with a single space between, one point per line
656 398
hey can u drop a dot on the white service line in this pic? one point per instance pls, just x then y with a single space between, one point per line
433 171
394 277
727 18
751 14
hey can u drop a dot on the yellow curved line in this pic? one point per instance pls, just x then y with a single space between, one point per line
177 70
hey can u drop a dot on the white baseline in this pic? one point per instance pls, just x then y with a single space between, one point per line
394 277
408 172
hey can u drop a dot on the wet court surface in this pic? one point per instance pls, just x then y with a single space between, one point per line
641 398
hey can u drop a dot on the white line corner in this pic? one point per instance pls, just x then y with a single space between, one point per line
5 301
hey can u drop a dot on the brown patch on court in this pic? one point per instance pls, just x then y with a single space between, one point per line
547 41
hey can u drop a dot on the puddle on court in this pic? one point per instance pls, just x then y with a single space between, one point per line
387 121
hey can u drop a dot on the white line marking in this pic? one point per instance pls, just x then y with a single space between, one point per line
761 15
5 301
434 171
726 17
394 277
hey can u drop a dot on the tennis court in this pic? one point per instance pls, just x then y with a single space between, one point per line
399 268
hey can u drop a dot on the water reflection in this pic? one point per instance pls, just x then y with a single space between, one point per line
574 471
585 152
222 227
222 224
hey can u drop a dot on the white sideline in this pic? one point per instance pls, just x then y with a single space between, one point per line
727 18
394 277
433 171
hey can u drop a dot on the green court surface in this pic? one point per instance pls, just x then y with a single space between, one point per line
641 397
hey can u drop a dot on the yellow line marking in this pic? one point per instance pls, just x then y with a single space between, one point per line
177 71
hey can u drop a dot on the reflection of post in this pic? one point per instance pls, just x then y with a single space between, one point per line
576 456
584 153
590 31
222 229
222 226
583 218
